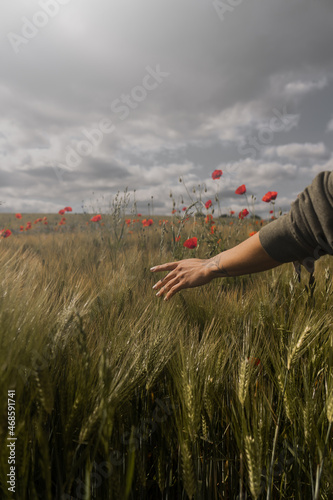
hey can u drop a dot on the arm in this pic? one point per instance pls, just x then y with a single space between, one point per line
246 258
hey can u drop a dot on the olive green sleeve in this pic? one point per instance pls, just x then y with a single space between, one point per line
307 230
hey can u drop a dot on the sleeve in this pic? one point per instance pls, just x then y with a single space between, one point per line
307 230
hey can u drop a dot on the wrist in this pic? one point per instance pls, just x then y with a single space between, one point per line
215 268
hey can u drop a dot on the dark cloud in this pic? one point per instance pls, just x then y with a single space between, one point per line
226 78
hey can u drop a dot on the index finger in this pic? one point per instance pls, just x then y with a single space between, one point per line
169 266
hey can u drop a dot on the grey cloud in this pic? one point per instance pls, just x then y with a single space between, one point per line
225 80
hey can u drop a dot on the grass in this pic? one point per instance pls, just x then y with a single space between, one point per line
224 392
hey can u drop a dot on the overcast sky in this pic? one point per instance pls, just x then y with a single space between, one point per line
101 95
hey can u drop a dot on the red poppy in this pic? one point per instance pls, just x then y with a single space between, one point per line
139 215
269 196
147 223
216 174
177 238
44 218
208 204
21 228
271 211
231 212
191 242
241 189
212 229
5 233
68 209
96 218
46 223
174 211
18 216
209 218
253 233
184 208
61 212
243 213
128 221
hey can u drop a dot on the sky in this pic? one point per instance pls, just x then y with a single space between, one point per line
99 96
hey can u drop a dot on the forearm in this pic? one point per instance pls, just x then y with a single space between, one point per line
246 258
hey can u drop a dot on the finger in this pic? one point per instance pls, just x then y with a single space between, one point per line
173 290
169 266
164 280
167 287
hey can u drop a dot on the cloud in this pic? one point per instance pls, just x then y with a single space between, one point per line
304 87
298 151
218 95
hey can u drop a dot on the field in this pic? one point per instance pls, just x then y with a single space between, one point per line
224 392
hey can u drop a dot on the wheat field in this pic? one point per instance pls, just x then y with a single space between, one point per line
225 392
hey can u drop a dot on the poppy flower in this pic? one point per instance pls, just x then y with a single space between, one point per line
61 212
253 233
208 204
147 223
177 238
209 218
5 233
271 211
191 242
128 221
174 211
68 209
139 215
212 229
243 213
18 216
184 208
241 189
21 228
269 196
96 218
231 212
216 174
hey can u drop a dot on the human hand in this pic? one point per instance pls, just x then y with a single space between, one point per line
188 273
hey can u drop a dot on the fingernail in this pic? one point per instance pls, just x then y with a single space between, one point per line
154 287
152 268
157 294
166 299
